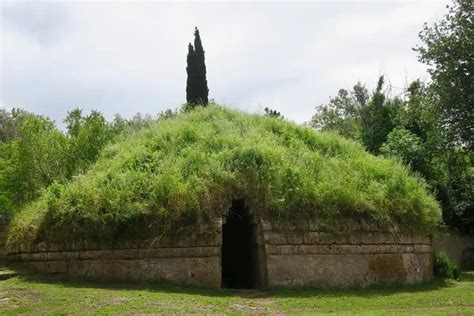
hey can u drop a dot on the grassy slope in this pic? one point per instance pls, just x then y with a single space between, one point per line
35 295
187 169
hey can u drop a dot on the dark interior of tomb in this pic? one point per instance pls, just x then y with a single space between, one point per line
238 249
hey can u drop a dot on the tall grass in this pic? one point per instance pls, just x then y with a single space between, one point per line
186 170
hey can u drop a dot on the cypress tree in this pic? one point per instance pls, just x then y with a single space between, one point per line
191 70
201 82
197 91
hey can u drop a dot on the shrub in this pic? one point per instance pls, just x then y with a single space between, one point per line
444 267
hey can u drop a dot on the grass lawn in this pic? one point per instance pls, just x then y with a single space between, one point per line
54 295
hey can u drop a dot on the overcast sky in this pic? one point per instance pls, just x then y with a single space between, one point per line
128 57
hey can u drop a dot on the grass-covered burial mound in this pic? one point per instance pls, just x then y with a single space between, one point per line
186 170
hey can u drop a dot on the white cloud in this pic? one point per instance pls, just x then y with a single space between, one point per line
391 20
128 57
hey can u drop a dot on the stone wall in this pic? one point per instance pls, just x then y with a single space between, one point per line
289 257
322 259
458 247
191 259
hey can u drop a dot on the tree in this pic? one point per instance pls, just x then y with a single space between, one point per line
34 153
375 120
407 146
87 136
357 115
272 113
201 69
458 202
8 129
342 113
449 52
419 139
191 69
197 91
31 162
10 123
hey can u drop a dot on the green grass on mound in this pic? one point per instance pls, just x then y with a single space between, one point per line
187 169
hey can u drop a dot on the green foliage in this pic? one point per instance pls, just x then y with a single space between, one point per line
375 120
356 115
342 113
416 135
87 135
8 126
405 145
421 141
34 153
187 169
197 92
31 162
458 197
448 50
10 122
444 267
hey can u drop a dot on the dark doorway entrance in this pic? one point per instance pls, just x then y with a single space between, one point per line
239 249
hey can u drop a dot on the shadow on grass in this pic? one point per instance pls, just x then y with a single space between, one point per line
63 280
377 290
168 287
467 277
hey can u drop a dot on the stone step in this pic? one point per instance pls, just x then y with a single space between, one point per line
7 274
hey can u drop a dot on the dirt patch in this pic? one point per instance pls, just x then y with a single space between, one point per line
115 301
14 298
252 294
256 302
